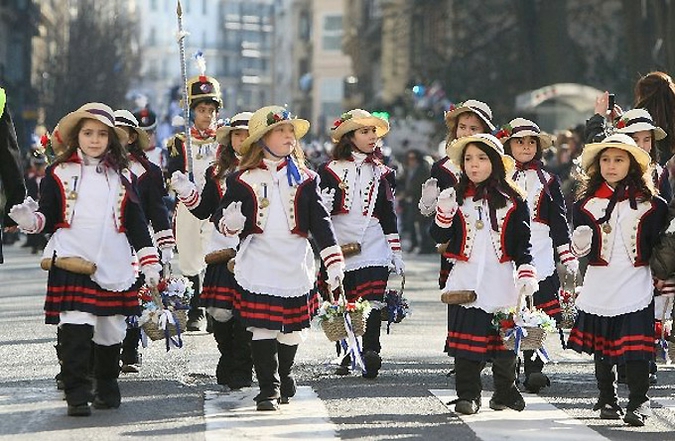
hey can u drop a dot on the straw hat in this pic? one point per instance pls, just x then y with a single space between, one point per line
237 122
617 141
98 111
637 120
124 118
481 109
356 119
57 141
269 117
520 128
456 149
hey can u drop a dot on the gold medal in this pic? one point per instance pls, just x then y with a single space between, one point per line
342 185
72 194
607 228
479 224
264 202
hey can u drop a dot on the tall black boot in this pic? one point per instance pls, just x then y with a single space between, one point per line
106 372
535 380
195 314
75 351
267 370
59 350
637 379
468 385
222 332
506 393
242 362
131 359
286 359
608 400
371 345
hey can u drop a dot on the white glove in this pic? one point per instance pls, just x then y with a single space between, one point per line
166 255
568 259
233 220
182 185
399 265
430 192
335 275
327 198
446 207
24 214
151 275
526 281
581 240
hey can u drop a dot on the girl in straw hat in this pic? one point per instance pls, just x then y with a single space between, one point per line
462 119
234 341
151 189
524 141
617 221
486 223
358 191
272 203
88 201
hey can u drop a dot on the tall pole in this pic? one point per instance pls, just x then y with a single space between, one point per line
186 105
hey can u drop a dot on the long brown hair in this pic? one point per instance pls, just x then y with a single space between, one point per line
656 93
226 161
115 156
592 179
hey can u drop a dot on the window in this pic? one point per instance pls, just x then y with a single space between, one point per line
152 37
332 33
153 5
331 92
204 8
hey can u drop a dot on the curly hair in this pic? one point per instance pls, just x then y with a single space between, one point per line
115 155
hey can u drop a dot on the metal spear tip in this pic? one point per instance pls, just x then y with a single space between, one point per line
179 9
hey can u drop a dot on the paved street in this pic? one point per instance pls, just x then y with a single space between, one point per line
175 395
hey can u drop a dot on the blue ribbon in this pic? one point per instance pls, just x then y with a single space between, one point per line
353 347
517 333
292 172
663 345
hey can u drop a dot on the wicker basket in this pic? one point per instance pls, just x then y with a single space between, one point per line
534 340
458 297
154 333
335 329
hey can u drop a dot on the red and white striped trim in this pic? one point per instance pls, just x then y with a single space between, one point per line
192 200
394 242
332 255
580 252
38 222
527 271
565 254
668 288
443 220
148 256
165 239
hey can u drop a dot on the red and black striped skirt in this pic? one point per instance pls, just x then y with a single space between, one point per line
368 283
546 298
472 336
219 288
285 314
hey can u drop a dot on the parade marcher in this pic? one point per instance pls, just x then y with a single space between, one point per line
272 203
234 341
549 230
617 221
486 222
358 191
89 203
193 234
150 187
462 119
655 92
12 186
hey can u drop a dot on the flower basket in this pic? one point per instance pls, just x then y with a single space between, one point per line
164 310
335 329
396 305
567 298
523 329
333 317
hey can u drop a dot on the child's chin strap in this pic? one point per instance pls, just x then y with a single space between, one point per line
292 172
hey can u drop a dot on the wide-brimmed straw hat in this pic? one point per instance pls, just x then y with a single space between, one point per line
98 111
456 149
616 141
265 119
237 122
55 139
357 119
124 118
520 128
637 120
481 109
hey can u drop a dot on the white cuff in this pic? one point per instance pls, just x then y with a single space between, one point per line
164 239
332 255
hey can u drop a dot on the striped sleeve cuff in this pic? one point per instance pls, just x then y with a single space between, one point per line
164 239
527 271
565 254
192 200
443 220
332 255
148 257
39 224
394 242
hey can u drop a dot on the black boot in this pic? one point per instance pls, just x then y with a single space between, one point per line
195 314
131 359
75 350
242 362
637 379
468 385
59 349
535 380
106 372
608 400
371 345
506 393
286 359
267 370
222 332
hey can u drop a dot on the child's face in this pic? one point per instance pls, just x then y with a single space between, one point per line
523 149
477 165
280 140
237 137
365 139
468 123
133 136
204 115
643 139
93 138
614 165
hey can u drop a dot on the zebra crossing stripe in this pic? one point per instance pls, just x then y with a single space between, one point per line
539 420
